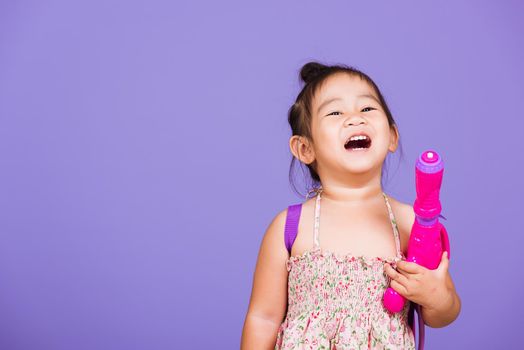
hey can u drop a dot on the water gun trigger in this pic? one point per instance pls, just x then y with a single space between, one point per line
445 239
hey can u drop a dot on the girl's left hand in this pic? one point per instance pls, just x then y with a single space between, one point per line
428 288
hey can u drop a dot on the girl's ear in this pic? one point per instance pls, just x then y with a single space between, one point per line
301 149
394 139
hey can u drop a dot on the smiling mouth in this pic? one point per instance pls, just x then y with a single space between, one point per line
358 144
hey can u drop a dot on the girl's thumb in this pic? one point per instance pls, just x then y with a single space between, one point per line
444 261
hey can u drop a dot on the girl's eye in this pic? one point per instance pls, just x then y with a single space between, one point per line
363 110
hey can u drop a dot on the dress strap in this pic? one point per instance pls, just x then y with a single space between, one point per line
394 225
317 218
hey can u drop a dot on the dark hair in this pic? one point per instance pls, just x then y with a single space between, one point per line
314 74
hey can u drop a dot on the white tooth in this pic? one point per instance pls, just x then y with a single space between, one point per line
359 137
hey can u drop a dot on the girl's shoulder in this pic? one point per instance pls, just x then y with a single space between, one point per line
404 210
404 216
277 226
307 208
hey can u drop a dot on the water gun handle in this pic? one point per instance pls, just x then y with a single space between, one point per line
445 246
445 239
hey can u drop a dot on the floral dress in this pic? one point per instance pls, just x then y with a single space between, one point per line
335 302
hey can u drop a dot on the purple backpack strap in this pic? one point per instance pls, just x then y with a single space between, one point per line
411 322
291 228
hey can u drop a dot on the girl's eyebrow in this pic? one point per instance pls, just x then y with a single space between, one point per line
325 103
370 96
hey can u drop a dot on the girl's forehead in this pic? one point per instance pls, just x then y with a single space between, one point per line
342 84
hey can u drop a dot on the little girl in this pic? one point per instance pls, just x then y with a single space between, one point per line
321 274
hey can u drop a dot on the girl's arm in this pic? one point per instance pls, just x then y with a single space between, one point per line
268 303
446 309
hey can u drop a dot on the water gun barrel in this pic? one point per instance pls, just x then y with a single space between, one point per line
425 243
428 179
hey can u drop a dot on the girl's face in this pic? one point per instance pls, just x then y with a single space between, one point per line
345 106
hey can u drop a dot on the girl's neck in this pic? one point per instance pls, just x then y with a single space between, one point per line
348 196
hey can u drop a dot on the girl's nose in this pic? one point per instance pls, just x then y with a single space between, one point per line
355 120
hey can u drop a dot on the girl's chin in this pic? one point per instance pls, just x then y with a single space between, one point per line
359 165
359 171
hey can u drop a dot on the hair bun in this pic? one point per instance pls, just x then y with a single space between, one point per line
311 70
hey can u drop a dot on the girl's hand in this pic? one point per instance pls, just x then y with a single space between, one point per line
428 288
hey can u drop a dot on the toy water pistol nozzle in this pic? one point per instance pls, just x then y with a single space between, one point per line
429 238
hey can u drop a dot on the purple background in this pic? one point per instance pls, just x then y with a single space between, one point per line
144 152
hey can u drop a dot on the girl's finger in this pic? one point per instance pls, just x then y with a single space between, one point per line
399 288
409 267
444 262
395 276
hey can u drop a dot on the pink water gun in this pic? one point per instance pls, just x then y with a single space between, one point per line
429 238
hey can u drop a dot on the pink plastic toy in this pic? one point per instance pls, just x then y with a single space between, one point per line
429 238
